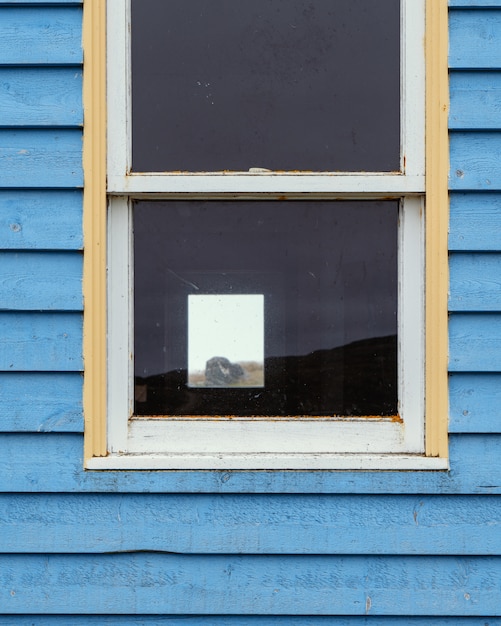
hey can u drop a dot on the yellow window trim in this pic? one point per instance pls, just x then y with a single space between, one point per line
94 225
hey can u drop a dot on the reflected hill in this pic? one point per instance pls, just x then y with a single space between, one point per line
357 379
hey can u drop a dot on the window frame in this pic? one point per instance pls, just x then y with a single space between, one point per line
385 444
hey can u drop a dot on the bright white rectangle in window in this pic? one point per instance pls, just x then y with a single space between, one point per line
226 340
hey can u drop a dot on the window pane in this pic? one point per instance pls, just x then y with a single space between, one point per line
325 275
275 84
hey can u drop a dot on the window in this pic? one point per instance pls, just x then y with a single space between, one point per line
266 208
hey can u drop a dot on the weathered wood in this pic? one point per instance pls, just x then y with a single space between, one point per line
40 342
32 35
475 282
475 403
41 158
474 4
475 100
38 281
475 342
41 402
43 220
312 585
475 221
53 463
244 524
475 39
475 159
247 620
41 96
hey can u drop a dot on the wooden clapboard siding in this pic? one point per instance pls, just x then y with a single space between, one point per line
31 35
336 548
251 524
53 462
41 402
231 584
47 96
35 281
475 402
40 220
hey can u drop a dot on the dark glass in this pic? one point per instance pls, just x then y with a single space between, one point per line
328 274
276 84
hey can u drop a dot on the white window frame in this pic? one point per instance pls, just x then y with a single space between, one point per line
266 443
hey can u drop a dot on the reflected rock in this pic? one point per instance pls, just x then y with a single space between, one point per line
221 372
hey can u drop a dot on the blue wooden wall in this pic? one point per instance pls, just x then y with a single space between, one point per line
220 548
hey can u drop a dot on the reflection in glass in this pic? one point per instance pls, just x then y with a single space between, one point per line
325 275
225 340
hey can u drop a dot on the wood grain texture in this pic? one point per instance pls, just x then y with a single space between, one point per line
475 158
475 342
41 281
475 403
40 342
41 220
41 96
312 585
475 39
475 281
32 35
53 463
475 221
475 100
238 620
257 524
41 158
41 402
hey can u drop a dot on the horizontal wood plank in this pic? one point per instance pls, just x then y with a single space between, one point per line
311 585
475 403
41 281
474 4
475 39
475 221
475 159
41 96
475 281
54 463
475 100
243 524
35 35
475 342
40 342
41 158
239 620
41 402
41 220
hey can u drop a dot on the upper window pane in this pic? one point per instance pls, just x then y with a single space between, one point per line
276 84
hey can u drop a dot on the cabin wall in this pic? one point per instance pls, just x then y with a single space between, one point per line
245 548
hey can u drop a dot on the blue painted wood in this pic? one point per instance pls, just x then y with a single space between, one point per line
313 585
41 281
475 100
41 402
250 524
475 221
475 403
475 159
34 35
43 220
477 4
475 281
53 463
475 342
40 342
41 96
41 158
475 39
238 620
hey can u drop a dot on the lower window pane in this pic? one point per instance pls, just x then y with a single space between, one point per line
254 308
